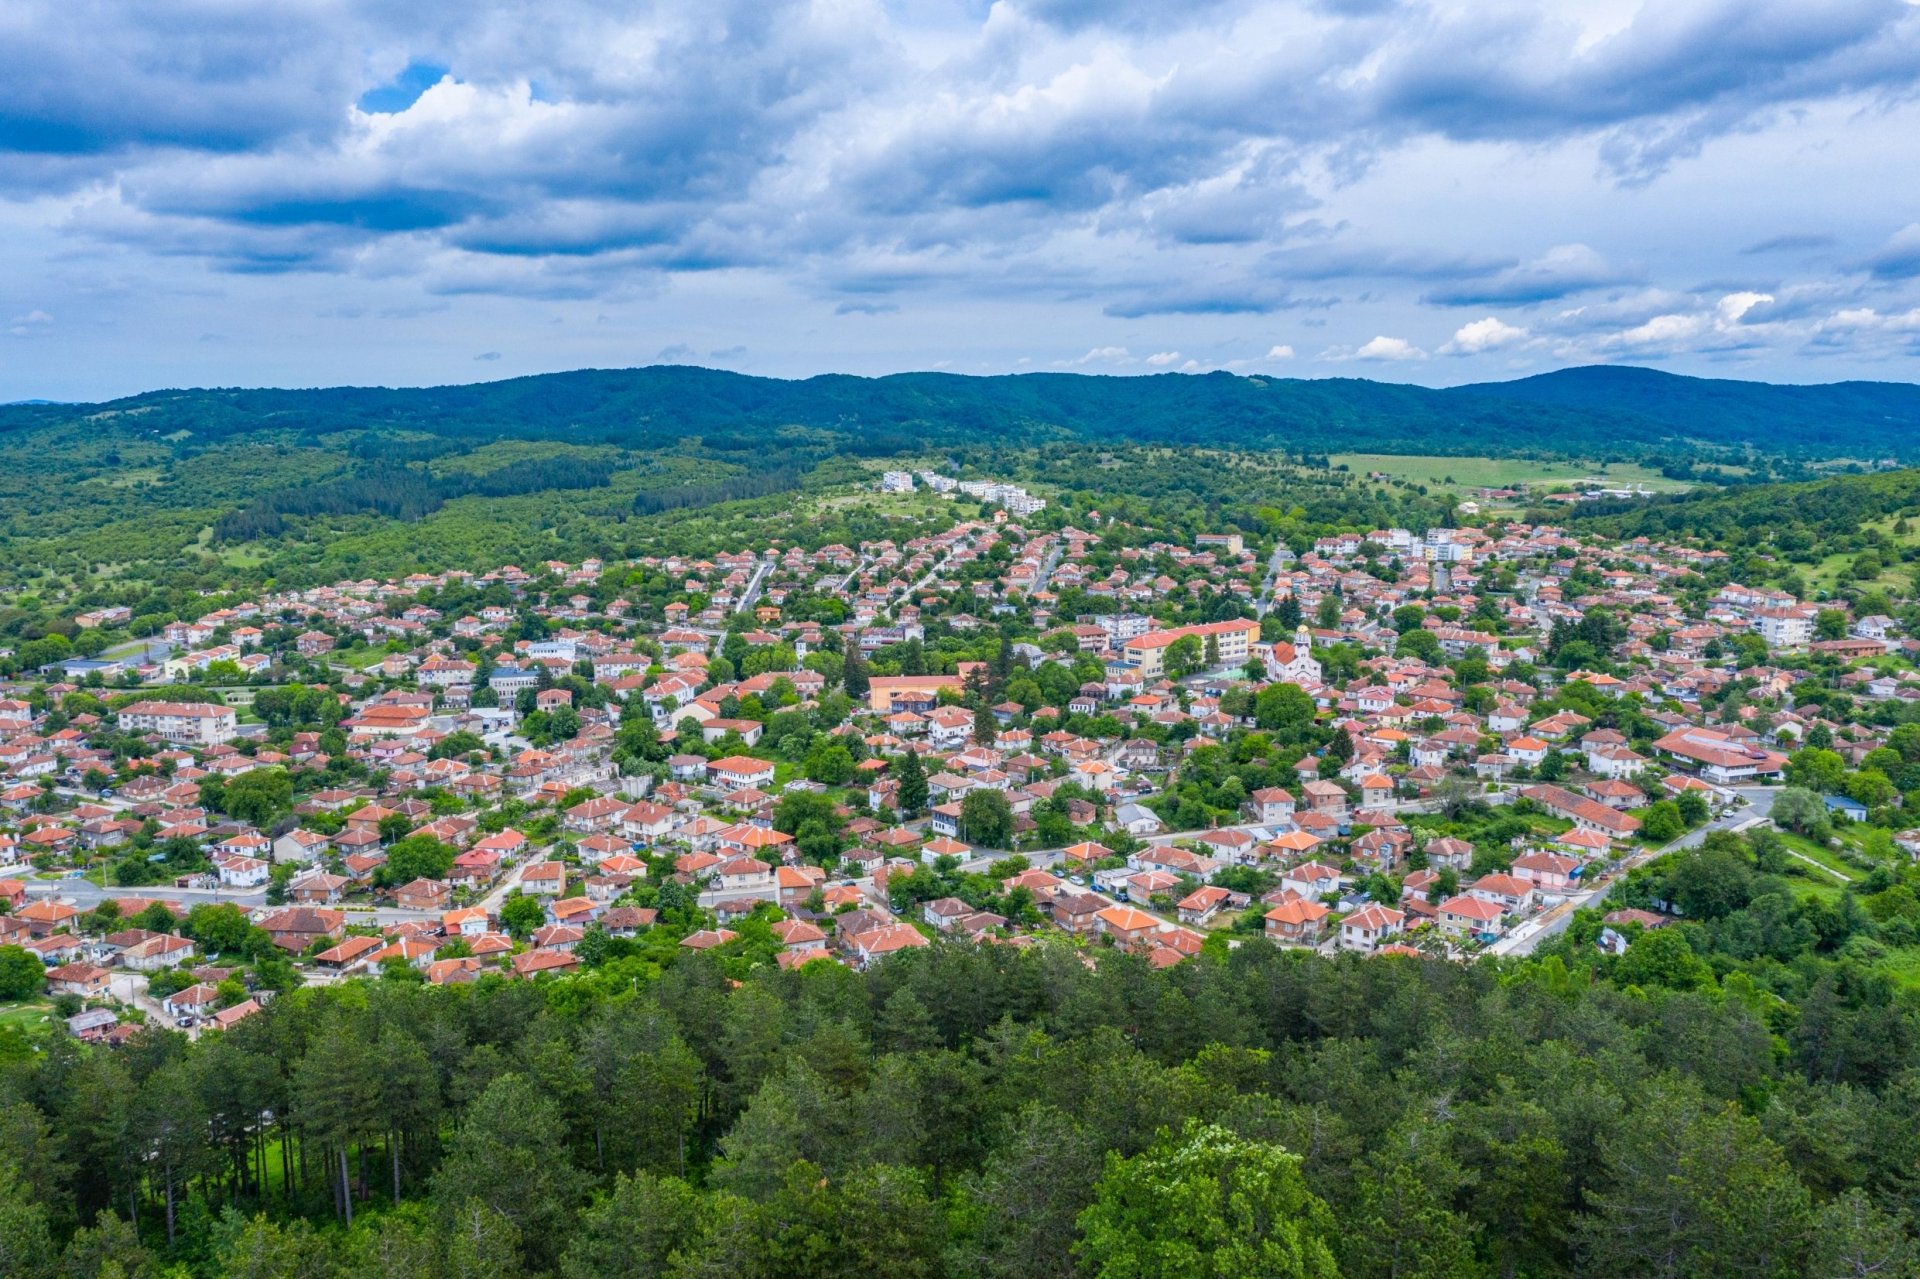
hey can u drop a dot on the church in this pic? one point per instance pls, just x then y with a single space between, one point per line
1291 663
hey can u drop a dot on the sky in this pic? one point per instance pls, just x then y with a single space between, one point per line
408 192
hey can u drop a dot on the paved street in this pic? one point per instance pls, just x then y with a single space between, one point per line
752 592
1757 805
1282 554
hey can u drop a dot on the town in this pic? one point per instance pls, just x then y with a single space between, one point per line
1445 743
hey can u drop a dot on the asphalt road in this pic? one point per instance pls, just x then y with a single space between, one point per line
1281 554
752 593
1523 940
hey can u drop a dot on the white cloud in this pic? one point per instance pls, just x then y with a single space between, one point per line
1734 306
33 317
1481 336
1866 318
1098 355
1028 172
1386 348
1660 334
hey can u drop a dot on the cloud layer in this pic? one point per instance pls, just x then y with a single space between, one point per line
344 185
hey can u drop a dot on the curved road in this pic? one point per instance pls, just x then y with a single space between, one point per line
1756 807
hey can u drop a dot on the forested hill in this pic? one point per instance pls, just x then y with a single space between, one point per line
1584 412
1859 419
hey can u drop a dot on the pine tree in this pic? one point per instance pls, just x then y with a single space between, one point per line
912 776
854 672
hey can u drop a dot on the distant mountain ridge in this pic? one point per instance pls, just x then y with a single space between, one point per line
1591 411
1832 415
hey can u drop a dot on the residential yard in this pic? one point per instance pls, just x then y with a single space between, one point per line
30 1015
358 658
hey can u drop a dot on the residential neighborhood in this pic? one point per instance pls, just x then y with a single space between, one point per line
1430 744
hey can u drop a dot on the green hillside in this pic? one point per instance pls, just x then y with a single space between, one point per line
200 488
1840 419
1580 412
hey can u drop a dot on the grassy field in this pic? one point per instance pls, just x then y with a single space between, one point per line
919 504
30 1016
1826 857
357 657
1831 572
1901 965
1461 473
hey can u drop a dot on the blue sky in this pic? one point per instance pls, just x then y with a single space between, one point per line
210 192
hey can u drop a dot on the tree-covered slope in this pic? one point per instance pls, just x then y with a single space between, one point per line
1838 419
1578 412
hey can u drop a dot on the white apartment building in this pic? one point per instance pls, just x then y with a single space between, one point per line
185 723
1783 627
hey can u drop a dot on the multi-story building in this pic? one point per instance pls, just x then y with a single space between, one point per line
1233 640
186 723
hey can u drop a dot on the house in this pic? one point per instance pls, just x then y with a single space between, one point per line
1547 872
1470 915
1509 892
1271 805
1719 756
646 822
93 1025
299 845
154 953
543 879
1200 906
1586 814
945 912
1130 929
533 963
85 980
243 872
1371 927
45 918
887 939
1075 913
743 875
628 921
295 928
317 888
801 936
351 955
738 772
423 894
1311 881
1299 922
195 999
1448 853
226 1017
1326 797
